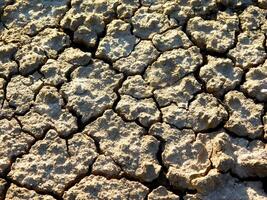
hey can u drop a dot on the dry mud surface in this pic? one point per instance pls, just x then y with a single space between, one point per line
133 99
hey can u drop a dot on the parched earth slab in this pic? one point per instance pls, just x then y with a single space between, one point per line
19 193
173 65
126 142
143 54
48 112
204 112
244 115
220 75
23 15
13 142
250 50
214 35
161 193
143 110
98 187
119 42
52 164
222 186
185 155
256 83
91 90
8 66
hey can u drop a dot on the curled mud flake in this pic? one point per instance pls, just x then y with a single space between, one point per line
126 143
179 93
136 87
244 115
214 35
171 66
142 56
48 167
91 90
220 75
171 39
256 83
265 125
105 166
98 187
20 92
32 16
16 193
147 23
249 50
13 142
118 42
252 18
161 193
143 110
48 112
223 186
8 66
204 113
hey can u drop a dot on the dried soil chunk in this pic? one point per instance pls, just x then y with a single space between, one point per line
87 33
256 83
20 91
18 193
173 65
32 16
220 75
126 143
181 10
54 72
235 3
91 90
184 155
222 186
105 166
161 193
75 56
49 167
143 55
180 92
136 87
13 142
245 115
249 50
98 187
250 158
126 8
48 112
30 58
118 42
171 39
8 67
213 35
52 41
252 18
143 110
147 22
3 185
205 112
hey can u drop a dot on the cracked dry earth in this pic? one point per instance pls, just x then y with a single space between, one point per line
133 99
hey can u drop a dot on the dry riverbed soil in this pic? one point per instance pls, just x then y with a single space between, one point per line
133 99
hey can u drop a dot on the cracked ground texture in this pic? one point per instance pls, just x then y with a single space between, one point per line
133 99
